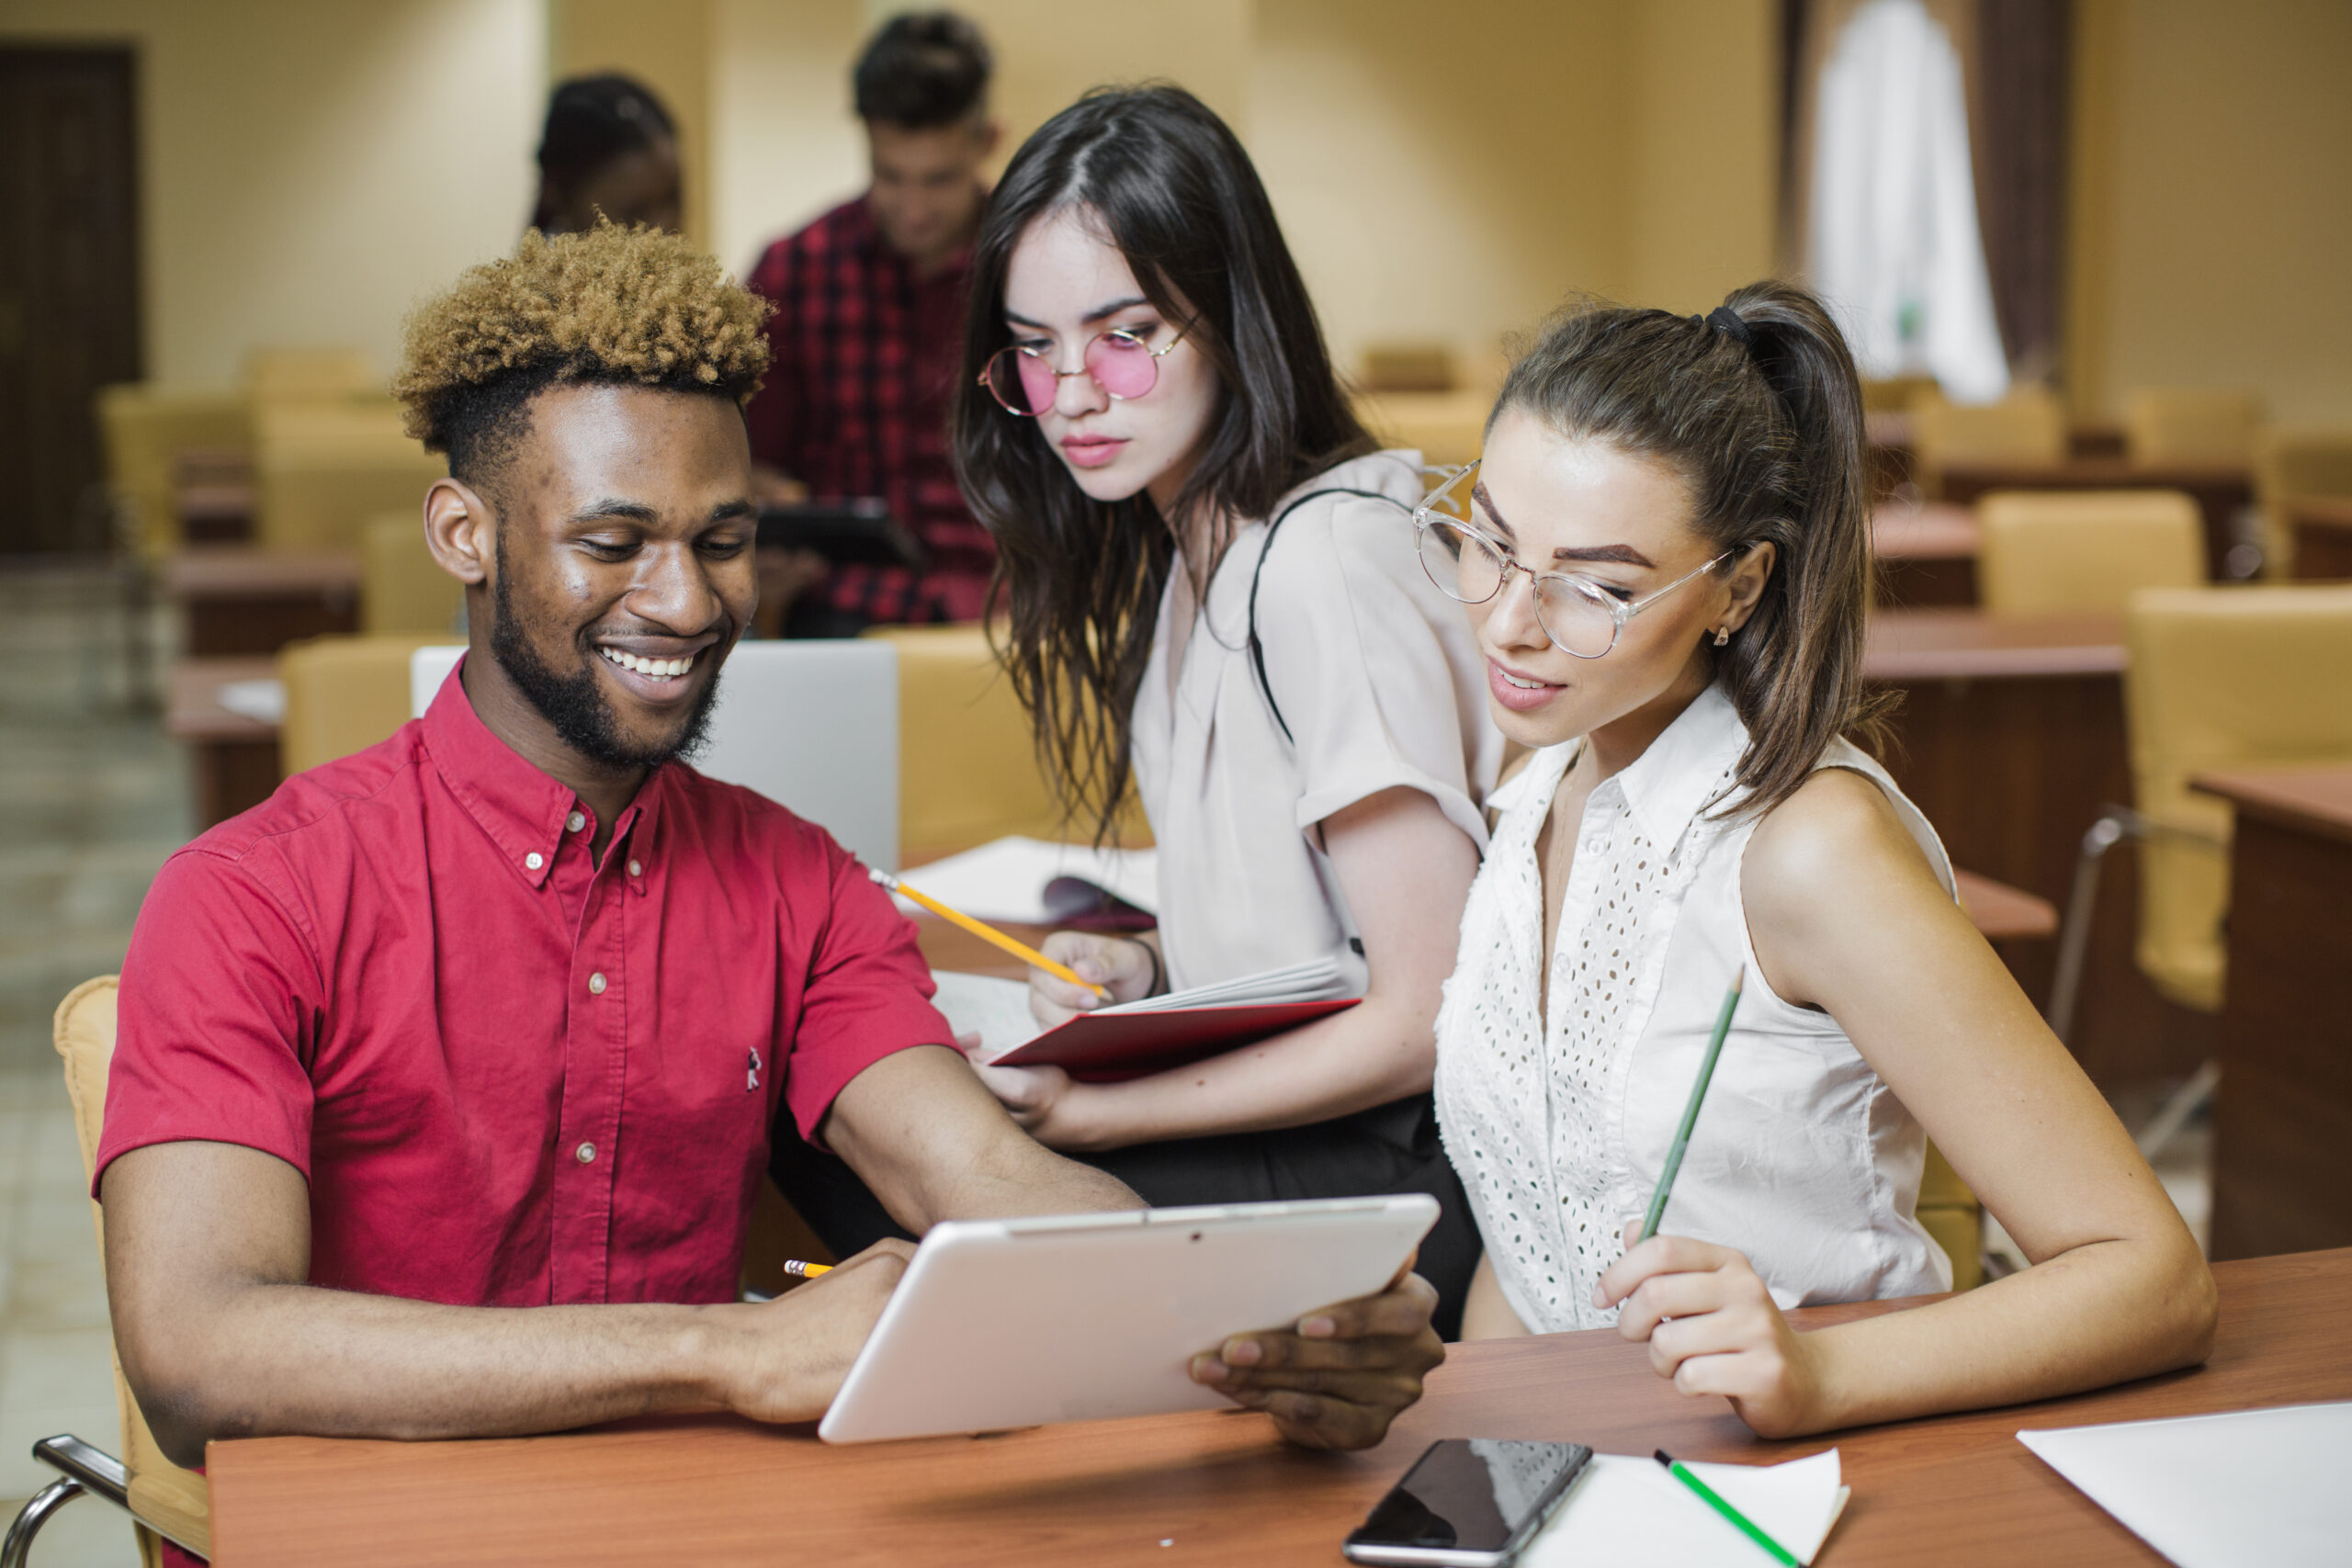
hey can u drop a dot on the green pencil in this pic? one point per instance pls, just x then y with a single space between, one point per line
1680 1472
1691 1111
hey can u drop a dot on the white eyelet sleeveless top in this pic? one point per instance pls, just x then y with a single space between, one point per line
1802 1158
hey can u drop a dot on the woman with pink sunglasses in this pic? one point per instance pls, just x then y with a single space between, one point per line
1215 603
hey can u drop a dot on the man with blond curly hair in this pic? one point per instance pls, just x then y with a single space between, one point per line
496 1014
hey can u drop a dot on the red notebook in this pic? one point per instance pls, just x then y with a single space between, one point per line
1108 1047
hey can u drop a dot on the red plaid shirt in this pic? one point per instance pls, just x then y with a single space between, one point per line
856 404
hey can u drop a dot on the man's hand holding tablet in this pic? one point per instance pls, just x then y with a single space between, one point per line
1341 1375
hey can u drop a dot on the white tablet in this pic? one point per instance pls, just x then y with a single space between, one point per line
1019 1323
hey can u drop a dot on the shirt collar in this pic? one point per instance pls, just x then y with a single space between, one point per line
525 811
1685 769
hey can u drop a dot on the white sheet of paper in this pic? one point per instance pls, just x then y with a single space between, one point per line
1626 1510
263 699
996 1010
2262 1486
1005 879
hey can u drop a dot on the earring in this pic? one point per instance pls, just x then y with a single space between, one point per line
1723 635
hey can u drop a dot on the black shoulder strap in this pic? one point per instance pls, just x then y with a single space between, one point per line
1256 648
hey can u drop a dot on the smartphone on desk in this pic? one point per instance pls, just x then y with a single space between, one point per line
1468 1502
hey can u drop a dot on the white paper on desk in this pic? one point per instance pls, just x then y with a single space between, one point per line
998 1011
2254 1486
1006 879
1626 1510
263 699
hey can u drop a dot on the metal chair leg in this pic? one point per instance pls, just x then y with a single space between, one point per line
86 1469
2186 1101
2116 825
34 1515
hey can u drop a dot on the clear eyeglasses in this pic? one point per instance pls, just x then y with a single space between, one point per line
1025 382
1582 615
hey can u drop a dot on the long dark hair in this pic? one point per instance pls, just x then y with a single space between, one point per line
1768 435
1173 189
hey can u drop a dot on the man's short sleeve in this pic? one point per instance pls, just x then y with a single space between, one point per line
220 1002
868 993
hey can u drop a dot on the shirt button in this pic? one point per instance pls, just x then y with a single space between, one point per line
575 821
585 1153
635 869
535 860
597 983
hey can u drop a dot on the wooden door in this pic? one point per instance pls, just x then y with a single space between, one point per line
69 284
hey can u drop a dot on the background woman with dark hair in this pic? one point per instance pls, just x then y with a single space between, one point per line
609 149
1694 812
1145 385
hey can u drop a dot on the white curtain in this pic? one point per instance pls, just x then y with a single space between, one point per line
1894 240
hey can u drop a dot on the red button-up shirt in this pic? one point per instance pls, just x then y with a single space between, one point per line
512 1074
863 357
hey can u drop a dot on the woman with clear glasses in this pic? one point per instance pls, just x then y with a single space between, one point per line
1664 554
1146 388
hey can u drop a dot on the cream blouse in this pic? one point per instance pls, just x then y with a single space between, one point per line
1382 685
1558 1117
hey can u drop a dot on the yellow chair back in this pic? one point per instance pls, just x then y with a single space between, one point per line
2288 465
321 471
308 375
2191 424
2081 552
145 427
2027 427
402 587
1950 1212
967 768
175 1499
2221 678
344 695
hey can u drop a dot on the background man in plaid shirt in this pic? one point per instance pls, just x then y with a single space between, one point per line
868 324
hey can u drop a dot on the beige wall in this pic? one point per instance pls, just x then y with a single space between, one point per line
308 169
2214 216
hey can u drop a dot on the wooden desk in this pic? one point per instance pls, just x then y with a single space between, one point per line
2282 1114
2322 530
2009 735
234 758
1216 1488
1926 554
239 599
2221 490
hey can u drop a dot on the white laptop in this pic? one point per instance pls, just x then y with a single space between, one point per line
811 725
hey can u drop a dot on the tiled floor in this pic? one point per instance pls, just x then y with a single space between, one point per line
93 796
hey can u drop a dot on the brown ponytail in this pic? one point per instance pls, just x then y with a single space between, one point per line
1768 435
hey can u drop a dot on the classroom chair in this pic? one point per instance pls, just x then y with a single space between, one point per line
322 471
2025 428
2191 424
1894 394
1950 1212
308 375
402 587
968 767
2078 552
2217 678
344 695
160 1498
145 428
1408 367
2290 464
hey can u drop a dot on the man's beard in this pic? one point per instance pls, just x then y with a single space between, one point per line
576 707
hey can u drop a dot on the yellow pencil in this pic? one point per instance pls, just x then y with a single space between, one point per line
800 1270
985 933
